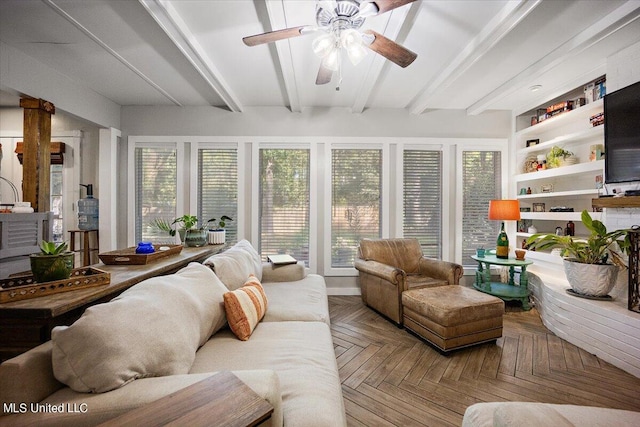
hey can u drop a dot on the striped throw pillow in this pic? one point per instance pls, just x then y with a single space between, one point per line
245 307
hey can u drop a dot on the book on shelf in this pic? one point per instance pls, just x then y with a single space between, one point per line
281 259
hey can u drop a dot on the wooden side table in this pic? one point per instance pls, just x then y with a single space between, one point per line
86 248
220 400
506 291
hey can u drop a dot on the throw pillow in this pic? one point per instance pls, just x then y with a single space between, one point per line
152 329
245 307
232 267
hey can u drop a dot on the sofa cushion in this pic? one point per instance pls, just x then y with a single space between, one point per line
304 299
152 329
302 355
234 265
245 307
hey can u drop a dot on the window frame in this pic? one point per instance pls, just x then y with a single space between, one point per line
497 144
328 197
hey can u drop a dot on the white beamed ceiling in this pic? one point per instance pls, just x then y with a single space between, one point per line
473 55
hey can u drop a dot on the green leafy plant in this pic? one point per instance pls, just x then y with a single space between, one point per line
556 155
222 223
186 222
53 248
596 249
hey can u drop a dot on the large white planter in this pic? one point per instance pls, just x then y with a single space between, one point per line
591 279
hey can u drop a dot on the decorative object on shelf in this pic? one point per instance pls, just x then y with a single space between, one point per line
523 191
145 248
53 262
558 157
532 142
559 231
218 236
586 260
599 182
520 253
539 207
503 210
529 190
597 119
541 159
560 209
532 229
190 234
596 152
570 229
546 188
129 256
530 164
21 287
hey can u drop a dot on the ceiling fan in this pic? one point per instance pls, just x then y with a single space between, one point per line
339 22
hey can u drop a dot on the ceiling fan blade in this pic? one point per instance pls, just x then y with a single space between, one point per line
383 5
324 74
273 36
390 49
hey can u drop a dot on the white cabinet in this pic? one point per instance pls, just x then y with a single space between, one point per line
571 186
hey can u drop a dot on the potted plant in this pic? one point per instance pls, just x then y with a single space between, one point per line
557 157
53 262
187 228
217 236
587 261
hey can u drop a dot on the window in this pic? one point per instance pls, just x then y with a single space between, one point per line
422 199
56 196
284 202
481 182
356 189
156 191
218 187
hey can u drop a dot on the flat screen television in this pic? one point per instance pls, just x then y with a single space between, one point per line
622 135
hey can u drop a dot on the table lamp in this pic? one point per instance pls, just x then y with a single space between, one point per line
503 210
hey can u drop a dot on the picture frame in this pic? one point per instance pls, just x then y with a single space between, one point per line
532 142
546 188
538 207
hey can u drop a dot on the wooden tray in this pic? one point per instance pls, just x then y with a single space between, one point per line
129 256
24 287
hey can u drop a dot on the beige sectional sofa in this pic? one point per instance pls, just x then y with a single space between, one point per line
289 358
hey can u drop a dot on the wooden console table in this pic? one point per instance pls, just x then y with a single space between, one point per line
505 291
28 323
221 400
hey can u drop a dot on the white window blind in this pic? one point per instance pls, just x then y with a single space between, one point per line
422 199
156 189
482 177
356 187
218 188
284 202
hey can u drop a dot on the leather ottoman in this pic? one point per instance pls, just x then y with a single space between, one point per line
451 317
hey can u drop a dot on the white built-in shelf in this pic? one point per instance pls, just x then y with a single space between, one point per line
583 113
593 132
558 216
577 169
565 194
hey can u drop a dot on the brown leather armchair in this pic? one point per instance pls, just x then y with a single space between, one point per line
388 267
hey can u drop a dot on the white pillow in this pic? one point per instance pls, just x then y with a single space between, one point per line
234 265
152 329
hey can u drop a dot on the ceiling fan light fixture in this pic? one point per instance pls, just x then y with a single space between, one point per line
323 45
332 60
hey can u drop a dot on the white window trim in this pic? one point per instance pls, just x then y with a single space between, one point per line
384 199
476 145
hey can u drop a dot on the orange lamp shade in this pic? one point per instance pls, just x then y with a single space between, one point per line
504 210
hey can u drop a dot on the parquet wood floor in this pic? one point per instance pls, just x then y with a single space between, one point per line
391 378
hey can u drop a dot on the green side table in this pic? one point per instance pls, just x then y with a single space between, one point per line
506 291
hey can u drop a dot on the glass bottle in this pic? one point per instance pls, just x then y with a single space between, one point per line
502 245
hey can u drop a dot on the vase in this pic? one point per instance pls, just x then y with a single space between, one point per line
195 238
217 237
594 280
48 268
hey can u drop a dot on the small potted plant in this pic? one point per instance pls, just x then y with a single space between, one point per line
218 236
557 157
53 262
587 261
187 228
